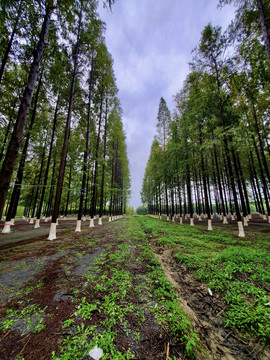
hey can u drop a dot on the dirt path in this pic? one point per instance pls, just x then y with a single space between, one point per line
97 286
205 313
104 286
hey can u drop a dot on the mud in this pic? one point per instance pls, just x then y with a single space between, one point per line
205 312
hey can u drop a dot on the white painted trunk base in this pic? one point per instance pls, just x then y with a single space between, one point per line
46 219
31 221
12 221
168 218
6 228
110 218
37 224
83 218
240 229
100 221
210 228
173 219
233 217
52 234
245 221
200 218
225 220
57 222
91 223
78 226
180 220
191 222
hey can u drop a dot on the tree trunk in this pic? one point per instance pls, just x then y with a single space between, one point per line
62 167
93 202
39 180
261 144
262 177
49 205
103 166
6 135
238 180
243 184
5 58
15 197
206 201
68 194
85 158
14 144
48 161
112 185
265 30
227 152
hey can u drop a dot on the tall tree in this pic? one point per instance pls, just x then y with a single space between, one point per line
14 144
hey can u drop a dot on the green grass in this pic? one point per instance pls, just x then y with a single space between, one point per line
30 318
111 287
237 269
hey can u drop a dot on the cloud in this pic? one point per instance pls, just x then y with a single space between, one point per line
151 43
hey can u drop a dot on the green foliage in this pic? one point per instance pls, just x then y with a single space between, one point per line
141 210
111 281
31 318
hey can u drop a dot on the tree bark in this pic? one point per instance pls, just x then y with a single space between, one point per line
5 58
48 161
85 158
265 30
262 176
49 204
15 197
260 143
6 135
103 166
68 194
207 208
93 202
39 181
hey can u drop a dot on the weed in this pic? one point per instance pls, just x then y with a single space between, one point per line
237 269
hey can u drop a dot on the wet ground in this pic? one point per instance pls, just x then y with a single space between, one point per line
38 280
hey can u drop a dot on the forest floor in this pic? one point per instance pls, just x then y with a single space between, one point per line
138 288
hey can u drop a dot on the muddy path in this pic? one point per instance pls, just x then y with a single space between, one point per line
205 311
104 285
59 297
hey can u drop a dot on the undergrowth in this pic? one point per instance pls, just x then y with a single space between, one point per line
109 289
237 269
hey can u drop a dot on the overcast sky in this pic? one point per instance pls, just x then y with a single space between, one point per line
151 43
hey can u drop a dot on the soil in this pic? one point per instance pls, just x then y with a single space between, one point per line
40 272
205 312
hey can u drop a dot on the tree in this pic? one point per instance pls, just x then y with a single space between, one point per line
14 144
